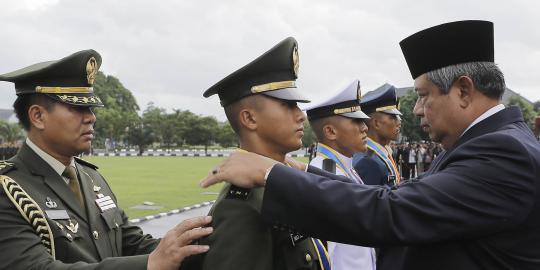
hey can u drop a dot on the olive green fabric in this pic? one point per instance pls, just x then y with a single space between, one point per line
242 241
96 242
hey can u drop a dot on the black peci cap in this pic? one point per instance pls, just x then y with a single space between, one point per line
448 44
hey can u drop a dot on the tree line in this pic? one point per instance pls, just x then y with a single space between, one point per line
121 123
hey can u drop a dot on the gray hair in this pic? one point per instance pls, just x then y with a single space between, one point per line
486 76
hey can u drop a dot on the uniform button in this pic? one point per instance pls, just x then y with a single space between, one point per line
69 237
95 234
308 258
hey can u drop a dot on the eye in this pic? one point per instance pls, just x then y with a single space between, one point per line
290 104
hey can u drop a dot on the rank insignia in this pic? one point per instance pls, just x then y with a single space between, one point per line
104 202
74 228
50 203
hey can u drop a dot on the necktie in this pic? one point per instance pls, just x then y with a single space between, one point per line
71 174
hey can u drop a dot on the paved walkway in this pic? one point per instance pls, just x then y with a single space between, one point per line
158 226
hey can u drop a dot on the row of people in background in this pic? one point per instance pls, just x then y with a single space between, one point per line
414 158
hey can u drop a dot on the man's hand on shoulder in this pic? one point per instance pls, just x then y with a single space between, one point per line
176 245
241 169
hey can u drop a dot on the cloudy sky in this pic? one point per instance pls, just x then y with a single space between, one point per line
170 51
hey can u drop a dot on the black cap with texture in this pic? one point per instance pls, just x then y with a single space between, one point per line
448 44
273 74
68 80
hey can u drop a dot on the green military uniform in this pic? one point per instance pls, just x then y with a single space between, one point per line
241 239
42 224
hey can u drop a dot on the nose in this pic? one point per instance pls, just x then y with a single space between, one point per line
418 109
301 116
89 116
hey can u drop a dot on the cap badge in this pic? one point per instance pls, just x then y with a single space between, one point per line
296 61
91 70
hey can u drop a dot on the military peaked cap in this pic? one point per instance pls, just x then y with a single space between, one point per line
382 99
68 80
273 74
345 103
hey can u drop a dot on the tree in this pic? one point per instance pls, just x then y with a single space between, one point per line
527 109
140 135
120 110
309 137
225 135
201 130
410 123
10 132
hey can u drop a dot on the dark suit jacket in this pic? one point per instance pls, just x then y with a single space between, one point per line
476 208
98 243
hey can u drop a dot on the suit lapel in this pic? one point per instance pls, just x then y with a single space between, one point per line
37 166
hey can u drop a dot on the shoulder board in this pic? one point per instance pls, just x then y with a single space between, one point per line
86 163
238 193
6 166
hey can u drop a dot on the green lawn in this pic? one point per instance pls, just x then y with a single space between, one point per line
171 182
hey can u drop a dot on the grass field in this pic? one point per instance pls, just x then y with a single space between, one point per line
170 182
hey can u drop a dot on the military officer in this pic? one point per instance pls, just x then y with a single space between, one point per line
376 166
339 124
260 102
57 211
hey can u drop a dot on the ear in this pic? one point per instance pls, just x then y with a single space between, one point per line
330 132
37 116
248 119
466 91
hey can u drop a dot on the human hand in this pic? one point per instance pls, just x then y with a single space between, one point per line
175 246
293 163
242 169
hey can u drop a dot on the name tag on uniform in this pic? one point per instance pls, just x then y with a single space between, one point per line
57 214
296 238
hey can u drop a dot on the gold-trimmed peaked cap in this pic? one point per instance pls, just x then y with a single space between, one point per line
68 80
273 74
383 99
345 103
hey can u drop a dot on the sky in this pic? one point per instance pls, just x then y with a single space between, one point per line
170 51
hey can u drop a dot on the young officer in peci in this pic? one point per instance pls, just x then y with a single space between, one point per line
57 211
260 103
339 124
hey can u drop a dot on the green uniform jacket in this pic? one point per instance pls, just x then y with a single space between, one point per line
100 239
241 240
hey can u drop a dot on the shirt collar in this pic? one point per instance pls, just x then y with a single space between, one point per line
486 114
57 166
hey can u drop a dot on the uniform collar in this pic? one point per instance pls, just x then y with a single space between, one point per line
57 166
346 160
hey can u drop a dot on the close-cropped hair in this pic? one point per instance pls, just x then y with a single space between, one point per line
24 102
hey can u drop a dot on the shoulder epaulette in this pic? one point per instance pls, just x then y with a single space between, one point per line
238 193
86 163
6 166
30 211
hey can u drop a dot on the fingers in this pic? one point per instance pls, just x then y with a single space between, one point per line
188 237
214 176
192 223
